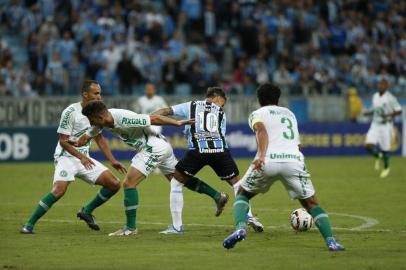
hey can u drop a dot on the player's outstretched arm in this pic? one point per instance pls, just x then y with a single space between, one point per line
160 120
68 146
164 111
104 147
262 141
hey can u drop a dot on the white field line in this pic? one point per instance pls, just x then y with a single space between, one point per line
368 222
280 227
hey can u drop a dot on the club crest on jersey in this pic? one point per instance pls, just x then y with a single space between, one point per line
63 173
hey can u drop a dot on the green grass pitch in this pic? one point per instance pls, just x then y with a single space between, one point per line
367 213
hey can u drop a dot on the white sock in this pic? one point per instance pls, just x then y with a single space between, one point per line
235 188
176 203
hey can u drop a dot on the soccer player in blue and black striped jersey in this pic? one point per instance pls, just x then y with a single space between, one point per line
207 145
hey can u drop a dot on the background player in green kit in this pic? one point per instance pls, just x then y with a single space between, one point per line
385 107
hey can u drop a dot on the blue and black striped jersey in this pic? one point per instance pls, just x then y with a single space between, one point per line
207 134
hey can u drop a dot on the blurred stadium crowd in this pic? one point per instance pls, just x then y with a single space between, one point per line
308 47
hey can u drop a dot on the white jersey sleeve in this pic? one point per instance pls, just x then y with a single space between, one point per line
394 104
66 122
254 118
161 103
129 119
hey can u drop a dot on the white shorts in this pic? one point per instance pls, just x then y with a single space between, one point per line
66 168
293 175
160 155
380 135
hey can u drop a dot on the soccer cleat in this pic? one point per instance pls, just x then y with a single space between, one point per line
234 238
89 219
378 162
171 230
385 173
27 229
124 232
333 245
221 203
254 223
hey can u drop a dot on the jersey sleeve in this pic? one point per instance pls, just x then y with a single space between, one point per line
395 105
254 118
129 119
93 131
162 103
66 122
223 125
181 110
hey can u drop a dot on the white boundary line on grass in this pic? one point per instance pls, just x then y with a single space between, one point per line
369 222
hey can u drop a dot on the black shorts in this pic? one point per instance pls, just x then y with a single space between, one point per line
222 163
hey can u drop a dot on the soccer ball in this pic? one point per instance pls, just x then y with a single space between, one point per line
301 220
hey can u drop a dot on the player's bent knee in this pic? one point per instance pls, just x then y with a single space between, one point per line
180 177
309 203
114 185
59 190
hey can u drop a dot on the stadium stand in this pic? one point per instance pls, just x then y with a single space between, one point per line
311 47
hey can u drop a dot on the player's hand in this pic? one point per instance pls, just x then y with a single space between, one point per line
186 122
259 163
118 166
87 162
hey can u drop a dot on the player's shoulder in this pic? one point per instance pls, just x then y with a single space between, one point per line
72 109
142 99
159 98
390 95
274 110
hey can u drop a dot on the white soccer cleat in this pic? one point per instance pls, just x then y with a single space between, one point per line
385 173
254 223
124 232
171 230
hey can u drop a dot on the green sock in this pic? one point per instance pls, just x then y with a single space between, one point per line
130 206
101 197
195 184
240 211
373 151
385 157
42 207
322 222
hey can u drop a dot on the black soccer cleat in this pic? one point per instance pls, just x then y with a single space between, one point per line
89 219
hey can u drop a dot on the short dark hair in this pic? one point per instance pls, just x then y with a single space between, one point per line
268 94
93 108
215 91
86 85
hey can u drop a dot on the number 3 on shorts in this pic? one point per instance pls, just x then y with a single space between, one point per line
287 136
